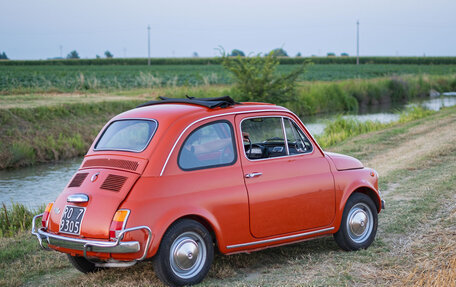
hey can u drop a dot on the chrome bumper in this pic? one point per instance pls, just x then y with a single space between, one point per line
87 245
383 204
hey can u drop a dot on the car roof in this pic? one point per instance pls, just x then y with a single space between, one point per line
172 112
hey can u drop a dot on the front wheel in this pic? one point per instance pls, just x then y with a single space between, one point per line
185 254
359 223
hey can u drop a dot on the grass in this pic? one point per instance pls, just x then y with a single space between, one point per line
415 244
17 218
343 128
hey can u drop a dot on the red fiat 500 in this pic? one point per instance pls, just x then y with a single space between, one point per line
172 180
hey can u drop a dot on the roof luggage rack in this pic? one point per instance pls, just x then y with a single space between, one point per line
212 103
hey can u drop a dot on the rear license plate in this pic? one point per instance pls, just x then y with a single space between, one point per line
71 219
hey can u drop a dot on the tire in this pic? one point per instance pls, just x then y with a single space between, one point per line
359 223
175 262
82 264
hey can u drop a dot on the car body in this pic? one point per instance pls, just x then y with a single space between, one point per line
171 180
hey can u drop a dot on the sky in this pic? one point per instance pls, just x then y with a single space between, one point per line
51 28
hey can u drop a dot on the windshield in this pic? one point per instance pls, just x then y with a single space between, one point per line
127 135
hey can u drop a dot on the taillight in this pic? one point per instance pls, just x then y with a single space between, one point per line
46 214
118 223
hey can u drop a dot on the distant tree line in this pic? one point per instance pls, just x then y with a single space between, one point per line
217 60
3 56
74 55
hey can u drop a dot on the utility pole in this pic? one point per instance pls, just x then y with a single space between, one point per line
148 45
357 42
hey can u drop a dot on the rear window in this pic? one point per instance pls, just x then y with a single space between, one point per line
127 135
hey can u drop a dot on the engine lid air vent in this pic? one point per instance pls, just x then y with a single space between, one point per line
113 182
78 179
116 163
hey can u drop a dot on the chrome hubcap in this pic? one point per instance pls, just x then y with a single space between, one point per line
187 254
359 222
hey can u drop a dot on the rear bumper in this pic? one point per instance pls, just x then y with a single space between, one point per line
87 245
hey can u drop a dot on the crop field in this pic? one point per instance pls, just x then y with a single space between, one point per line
67 78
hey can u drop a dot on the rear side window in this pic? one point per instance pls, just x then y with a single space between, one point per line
211 145
127 135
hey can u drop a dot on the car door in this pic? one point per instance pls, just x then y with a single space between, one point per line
290 186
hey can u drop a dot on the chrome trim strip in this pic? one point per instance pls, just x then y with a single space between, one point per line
206 118
285 143
279 238
78 198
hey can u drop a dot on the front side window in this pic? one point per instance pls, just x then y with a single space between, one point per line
211 145
263 137
127 135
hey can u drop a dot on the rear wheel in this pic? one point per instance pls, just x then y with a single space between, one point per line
185 254
82 264
359 223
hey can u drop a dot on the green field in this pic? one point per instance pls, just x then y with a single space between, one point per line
68 78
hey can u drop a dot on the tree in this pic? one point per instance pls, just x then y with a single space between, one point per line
236 53
256 79
298 55
97 56
73 55
279 52
3 56
108 54
195 55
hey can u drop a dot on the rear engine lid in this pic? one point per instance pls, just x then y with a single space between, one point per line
344 162
95 193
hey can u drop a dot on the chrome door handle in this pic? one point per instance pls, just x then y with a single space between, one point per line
253 174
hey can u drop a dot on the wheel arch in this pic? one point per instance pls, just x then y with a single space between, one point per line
202 220
210 225
359 188
371 193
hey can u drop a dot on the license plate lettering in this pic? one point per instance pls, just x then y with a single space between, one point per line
71 219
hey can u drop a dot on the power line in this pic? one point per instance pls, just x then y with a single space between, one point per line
148 45
357 42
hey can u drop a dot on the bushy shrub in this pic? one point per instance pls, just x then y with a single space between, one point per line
256 79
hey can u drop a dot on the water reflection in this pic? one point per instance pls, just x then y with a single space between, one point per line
33 186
